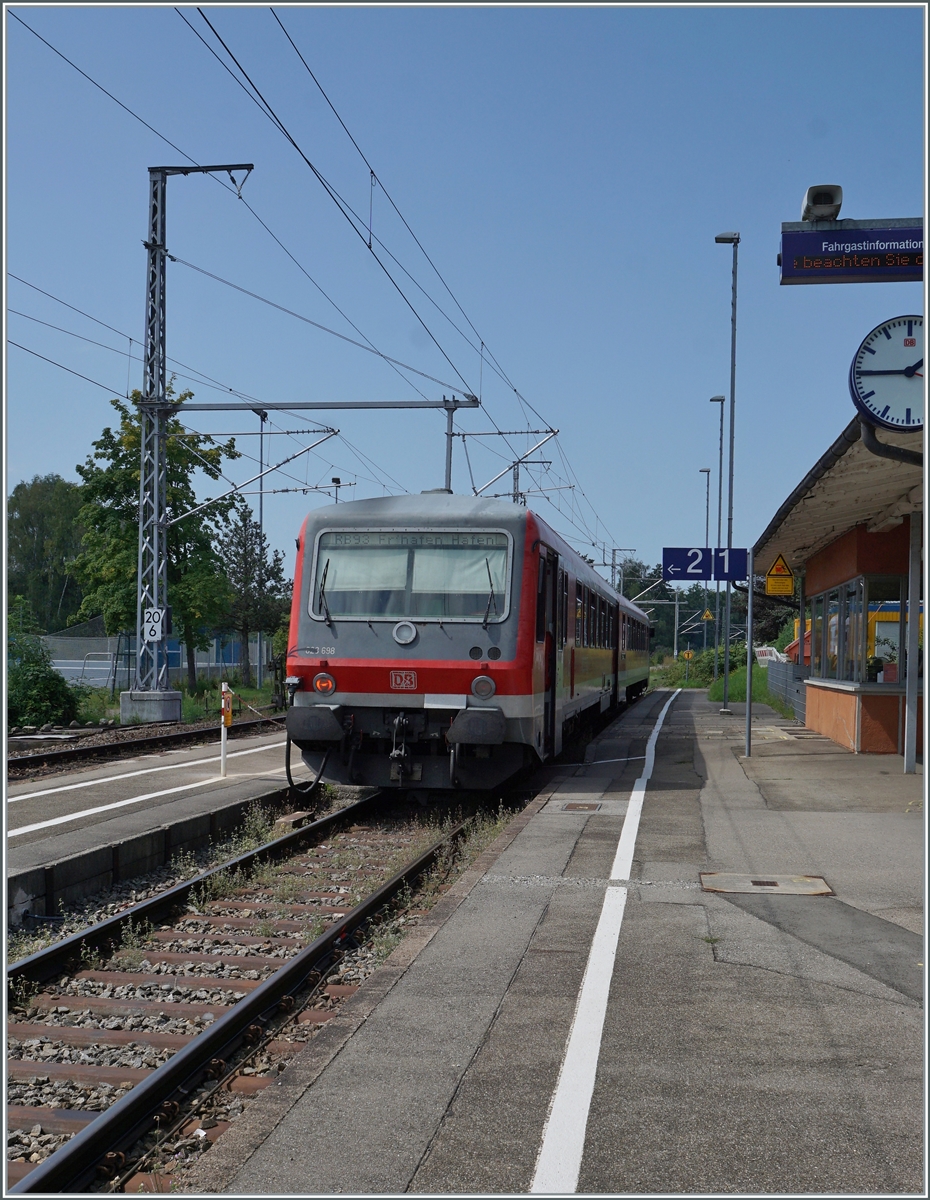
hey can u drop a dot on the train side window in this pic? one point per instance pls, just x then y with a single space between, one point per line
541 600
579 609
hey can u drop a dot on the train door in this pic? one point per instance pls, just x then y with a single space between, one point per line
561 637
615 647
546 609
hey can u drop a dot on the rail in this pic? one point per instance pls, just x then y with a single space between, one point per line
74 1166
149 742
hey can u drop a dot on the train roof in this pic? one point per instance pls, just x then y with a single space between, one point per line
446 506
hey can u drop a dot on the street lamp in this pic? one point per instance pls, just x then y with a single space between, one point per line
706 471
721 400
731 239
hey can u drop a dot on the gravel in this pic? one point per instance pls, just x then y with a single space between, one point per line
165 993
136 1054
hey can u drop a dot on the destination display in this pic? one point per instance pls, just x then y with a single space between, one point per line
852 255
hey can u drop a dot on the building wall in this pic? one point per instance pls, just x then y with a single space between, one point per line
832 713
864 722
858 552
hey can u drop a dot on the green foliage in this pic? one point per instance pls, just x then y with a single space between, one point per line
94 704
108 563
785 635
700 670
43 540
36 693
760 689
260 596
281 634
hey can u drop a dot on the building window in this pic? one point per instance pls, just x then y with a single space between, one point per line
858 630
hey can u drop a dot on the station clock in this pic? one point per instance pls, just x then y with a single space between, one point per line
886 379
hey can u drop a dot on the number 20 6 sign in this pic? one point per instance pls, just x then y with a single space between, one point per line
692 563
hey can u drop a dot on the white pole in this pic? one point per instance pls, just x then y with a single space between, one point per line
675 649
223 689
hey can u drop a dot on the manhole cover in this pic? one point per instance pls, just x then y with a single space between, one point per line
575 807
784 885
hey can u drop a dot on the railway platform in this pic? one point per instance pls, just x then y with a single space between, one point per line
72 833
580 1013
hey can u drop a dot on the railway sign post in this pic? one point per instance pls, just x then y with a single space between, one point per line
687 563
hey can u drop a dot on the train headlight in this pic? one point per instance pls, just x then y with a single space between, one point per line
483 687
324 684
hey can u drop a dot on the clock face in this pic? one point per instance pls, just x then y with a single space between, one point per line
886 379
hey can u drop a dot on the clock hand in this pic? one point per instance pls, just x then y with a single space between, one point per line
908 372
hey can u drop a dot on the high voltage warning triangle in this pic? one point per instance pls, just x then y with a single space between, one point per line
708 615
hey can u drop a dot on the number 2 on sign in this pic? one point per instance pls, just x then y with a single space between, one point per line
697 557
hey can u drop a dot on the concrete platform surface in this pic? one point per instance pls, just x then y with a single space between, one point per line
751 1044
57 816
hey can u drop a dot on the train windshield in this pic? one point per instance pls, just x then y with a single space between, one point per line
440 575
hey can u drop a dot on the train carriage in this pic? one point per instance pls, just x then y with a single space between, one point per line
441 642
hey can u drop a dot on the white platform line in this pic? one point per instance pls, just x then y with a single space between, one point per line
196 762
89 812
559 1161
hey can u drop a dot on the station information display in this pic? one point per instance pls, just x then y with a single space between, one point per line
852 252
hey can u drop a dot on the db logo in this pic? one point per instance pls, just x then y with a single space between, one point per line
404 681
910 341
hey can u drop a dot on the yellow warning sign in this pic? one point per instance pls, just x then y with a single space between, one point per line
779 580
687 654
708 615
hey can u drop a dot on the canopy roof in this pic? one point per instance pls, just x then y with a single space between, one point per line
848 486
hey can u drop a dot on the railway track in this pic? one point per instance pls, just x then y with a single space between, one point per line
117 747
142 1037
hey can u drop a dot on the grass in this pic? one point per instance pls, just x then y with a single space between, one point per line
760 690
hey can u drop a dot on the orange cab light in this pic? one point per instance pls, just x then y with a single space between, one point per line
324 684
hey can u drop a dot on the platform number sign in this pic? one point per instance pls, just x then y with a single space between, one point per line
731 564
688 564
153 624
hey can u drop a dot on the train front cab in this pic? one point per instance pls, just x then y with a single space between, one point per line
562 648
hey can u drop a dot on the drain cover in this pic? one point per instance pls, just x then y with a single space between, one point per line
575 807
784 885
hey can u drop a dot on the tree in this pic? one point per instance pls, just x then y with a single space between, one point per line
260 594
36 692
108 563
43 540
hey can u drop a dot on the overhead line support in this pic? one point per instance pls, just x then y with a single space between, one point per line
151 676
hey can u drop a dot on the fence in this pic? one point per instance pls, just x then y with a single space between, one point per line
786 680
111 661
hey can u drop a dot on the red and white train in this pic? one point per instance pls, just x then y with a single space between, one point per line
442 641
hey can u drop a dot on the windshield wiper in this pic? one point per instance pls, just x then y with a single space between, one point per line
329 619
491 600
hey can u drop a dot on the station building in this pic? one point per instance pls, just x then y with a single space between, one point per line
852 531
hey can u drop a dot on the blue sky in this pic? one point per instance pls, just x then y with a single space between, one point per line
565 168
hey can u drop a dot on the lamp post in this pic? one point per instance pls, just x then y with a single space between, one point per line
731 239
706 471
721 400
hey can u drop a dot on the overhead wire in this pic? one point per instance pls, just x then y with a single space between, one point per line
269 231
499 370
266 107
215 178
300 317
346 209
